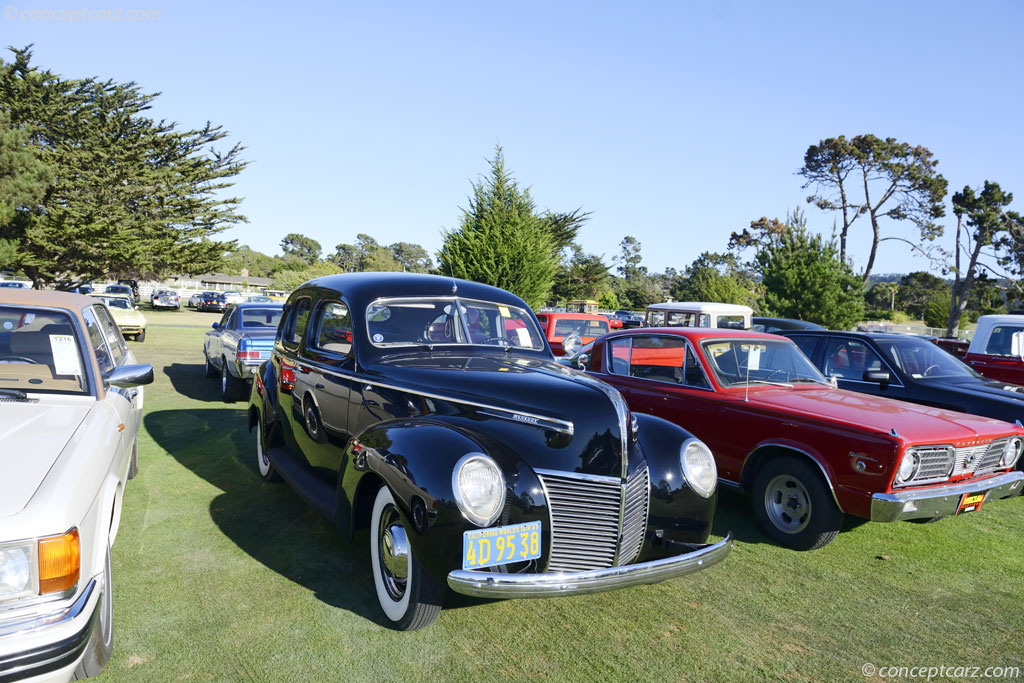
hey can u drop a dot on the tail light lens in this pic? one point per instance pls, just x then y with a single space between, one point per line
248 355
59 562
287 376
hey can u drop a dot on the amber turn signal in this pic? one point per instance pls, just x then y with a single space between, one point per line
59 562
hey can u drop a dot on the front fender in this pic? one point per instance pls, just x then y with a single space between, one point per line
677 512
415 458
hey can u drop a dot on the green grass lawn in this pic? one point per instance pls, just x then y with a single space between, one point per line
220 576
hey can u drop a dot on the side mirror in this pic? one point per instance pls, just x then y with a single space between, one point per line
582 361
1017 344
215 326
572 344
881 377
128 376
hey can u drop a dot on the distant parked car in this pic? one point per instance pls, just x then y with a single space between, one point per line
133 285
193 301
83 289
911 369
213 301
166 299
566 332
699 314
997 348
234 297
16 284
259 300
129 320
121 290
237 345
779 325
629 319
808 453
71 402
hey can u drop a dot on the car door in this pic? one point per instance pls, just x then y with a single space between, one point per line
996 360
850 360
214 344
229 334
110 351
293 421
329 355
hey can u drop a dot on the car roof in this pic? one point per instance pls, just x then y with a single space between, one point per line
1002 318
701 307
260 304
576 316
35 297
695 333
362 288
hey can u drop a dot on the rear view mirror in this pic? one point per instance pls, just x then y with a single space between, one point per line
215 325
882 377
1017 344
128 376
572 344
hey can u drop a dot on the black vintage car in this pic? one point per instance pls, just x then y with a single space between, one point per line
431 411
909 368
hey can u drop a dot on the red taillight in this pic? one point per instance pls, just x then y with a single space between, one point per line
259 385
248 355
287 377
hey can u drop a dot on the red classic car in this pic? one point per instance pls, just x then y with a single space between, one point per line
557 326
807 452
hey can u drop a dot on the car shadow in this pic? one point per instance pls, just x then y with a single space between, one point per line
267 520
735 514
189 379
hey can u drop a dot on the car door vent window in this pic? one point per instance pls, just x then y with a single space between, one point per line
334 329
297 319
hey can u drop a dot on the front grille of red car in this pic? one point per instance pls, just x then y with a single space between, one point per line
978 459
595 520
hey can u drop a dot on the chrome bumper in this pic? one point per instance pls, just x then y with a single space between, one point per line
943 501
493 585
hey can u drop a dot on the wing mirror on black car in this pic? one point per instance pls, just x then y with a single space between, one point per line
880 376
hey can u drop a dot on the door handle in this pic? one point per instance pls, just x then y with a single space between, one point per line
319 386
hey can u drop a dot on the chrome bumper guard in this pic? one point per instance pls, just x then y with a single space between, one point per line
940 502
493 585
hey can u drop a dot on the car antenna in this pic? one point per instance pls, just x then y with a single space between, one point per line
455 285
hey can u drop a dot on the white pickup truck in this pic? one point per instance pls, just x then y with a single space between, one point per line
997 349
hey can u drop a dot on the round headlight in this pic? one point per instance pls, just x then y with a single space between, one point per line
908 467
1011 452
15 571
479 488
572 344
699 467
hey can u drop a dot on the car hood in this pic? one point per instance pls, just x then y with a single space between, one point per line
126 317
988 388
527 387
33 436
916 424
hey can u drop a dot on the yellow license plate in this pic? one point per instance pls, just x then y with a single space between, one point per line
500 545
969 502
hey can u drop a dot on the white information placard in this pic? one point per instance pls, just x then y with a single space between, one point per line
65 355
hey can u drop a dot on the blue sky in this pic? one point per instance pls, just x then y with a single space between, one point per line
674 122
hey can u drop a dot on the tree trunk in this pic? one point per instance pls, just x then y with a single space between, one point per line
876 231
953 322
846 223
959 304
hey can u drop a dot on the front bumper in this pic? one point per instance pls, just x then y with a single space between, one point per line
50 643
131 329
941 501
493 585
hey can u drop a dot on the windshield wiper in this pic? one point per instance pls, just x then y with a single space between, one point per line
16 394
765 381
811 379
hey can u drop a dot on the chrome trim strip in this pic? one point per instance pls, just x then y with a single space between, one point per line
563 426
940 502
549 585
36 621
729 483
599 478
802 452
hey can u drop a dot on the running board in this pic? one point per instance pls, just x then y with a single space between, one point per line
318 494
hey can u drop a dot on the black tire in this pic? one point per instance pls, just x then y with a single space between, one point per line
793 505
141 336
263 465
230 386
133 466
410 602
211 369
314 424
101 643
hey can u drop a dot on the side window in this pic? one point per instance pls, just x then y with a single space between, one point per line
226 319
658 357
806 344
333 329
693 373
295 328
97 342
618 351
850 359
115 342
1001 341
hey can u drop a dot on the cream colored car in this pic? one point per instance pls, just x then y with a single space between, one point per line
129 320
70 404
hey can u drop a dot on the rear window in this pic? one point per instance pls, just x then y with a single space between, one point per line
40 352
584 328
260 318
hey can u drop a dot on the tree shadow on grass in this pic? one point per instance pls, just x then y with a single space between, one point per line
189 379
734 513
267 521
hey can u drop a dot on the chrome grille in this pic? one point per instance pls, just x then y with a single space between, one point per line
980 458
935 463
634 515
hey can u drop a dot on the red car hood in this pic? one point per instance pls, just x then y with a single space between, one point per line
916 424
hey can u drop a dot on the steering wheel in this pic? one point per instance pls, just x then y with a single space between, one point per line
18 359
927 370
494 339
772 374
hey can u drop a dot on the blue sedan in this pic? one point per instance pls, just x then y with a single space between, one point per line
238 344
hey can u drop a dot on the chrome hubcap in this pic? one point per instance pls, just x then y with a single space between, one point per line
311 421
787 504
393 550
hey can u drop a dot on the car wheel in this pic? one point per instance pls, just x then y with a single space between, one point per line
267 470
793 506
211 371
410 598
230 386
141 336
101 644
133 467
314 425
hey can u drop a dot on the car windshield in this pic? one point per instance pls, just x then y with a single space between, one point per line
434 321
40 353
759 361
923 360
261 318
115 302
